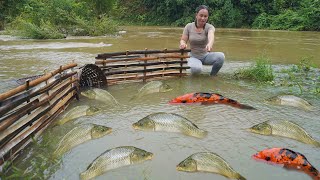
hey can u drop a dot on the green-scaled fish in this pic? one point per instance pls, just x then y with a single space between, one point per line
115 158
100 95
208 162
290 100
79 135
169 122
286 129
77 112
152 87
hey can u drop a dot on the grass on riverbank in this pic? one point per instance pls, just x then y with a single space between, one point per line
261 71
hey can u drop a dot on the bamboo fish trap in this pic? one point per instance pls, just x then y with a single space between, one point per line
130 66
27 110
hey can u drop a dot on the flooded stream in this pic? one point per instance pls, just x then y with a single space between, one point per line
226 125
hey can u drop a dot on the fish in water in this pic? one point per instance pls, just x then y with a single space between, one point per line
152 87
288 159
115 158
290 100
100 95
285 129
208 162
77 112
79 135
207 98
169 122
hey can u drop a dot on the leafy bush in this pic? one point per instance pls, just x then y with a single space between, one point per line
45 30
44 19
261 71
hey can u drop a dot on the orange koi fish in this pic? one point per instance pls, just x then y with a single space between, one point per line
288 159
207 98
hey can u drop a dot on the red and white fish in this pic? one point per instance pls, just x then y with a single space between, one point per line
288 159
207 98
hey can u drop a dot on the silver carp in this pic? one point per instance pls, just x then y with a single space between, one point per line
169 122
79 135
291 100
115 158
100 95
77 112
208 162
286 129
152 87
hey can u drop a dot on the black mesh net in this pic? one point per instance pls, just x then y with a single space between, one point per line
92 76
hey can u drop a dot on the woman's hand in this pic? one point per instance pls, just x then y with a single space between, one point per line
183 46
208 48
183 42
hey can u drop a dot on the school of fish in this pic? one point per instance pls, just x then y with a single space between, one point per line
207 99
208 162
289 159
169 122
79 135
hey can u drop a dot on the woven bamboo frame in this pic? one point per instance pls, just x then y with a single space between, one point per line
128 66
27 110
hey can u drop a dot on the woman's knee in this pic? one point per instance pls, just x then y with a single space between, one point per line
220 58
195 65
195 70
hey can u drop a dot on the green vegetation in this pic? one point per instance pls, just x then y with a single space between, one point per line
301 78
261 71
39 167
305 76
43 19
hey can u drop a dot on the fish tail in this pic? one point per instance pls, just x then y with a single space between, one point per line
313 172
86 176
240 177
203 133
235 103
316 143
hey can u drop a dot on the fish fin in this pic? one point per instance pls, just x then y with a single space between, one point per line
243 106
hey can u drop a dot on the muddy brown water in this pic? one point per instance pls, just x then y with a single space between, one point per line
226 125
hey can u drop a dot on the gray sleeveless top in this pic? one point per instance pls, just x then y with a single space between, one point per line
198 40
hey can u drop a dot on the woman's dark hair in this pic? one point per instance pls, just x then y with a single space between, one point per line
202 7
199 8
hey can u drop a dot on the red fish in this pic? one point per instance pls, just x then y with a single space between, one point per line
207 98
288 159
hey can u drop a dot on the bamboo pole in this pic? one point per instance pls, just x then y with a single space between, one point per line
148 76
144 70
113 66
9 120
13 102
35 82
140 59
33 117
150 66
108 55
23 139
